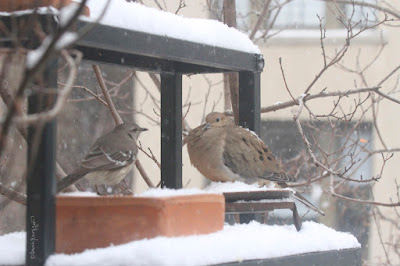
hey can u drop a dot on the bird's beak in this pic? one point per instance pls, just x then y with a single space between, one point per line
206 126
143 129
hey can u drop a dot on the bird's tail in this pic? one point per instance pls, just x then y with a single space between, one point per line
68 180
309 205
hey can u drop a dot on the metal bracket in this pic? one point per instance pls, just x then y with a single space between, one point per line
258 202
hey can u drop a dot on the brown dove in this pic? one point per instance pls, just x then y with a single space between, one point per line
222 151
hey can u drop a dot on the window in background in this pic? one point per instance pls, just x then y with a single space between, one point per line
282 138
302 14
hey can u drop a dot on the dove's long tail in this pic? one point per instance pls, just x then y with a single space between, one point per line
309 205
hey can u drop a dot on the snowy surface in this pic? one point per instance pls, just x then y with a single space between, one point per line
134 16
167 192
12 248
79 194
212 188
233 243
220 187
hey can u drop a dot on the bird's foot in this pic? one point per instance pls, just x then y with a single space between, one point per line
124 188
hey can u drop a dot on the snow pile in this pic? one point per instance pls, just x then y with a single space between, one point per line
221 187
234 243
134 16
79 194
12 248
212 188
168 192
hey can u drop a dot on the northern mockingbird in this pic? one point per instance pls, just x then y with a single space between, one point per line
222 151
110 158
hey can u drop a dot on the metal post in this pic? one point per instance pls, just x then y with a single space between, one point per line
171 130
249 111
41 183
249 100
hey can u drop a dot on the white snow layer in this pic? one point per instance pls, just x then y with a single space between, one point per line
212 188
234 243
237 186
12 248
134 16
168 192
79 194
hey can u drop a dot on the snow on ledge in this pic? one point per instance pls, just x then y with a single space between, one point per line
234 243
212 188
79 194
137 17
168 192
221 187
134 16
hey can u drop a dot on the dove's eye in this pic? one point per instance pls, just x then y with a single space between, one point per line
218 119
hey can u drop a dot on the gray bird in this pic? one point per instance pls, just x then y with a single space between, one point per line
110 158
222 151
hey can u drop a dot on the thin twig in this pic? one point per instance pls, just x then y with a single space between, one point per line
146 178
322 94
284 79
117 118
261 17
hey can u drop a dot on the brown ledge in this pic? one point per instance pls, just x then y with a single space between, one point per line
94 222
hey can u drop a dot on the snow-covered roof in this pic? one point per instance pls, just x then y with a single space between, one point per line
234 243
134 16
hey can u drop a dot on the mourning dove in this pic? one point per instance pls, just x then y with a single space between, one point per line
222 151
110 158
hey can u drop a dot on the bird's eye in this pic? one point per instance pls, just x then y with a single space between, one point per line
218 119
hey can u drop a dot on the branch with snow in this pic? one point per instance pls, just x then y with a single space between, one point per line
33 68
62 95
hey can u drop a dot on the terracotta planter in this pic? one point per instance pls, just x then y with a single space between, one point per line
93 222
15 5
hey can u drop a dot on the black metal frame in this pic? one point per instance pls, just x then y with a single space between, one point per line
351 256
250 202
41 181
169 57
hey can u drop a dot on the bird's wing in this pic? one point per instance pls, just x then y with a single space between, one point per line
247 155
103 157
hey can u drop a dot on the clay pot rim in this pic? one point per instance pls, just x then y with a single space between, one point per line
131 200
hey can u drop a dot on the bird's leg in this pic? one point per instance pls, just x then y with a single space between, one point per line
79 187
125 190
99 192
